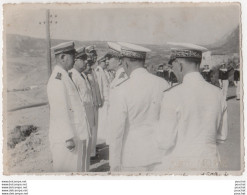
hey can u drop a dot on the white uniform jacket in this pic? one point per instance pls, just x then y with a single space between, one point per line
67 120
120 78
103 111
193 119
134 113
103 83
83 87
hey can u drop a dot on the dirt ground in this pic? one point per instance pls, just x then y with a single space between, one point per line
33 154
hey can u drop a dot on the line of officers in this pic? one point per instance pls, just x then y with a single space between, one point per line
148 125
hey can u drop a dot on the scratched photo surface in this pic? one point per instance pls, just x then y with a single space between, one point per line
31 31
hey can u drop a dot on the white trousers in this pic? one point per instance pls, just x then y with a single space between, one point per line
103 122
77 160
225 84
92 114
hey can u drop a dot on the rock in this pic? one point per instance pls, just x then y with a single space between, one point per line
19 134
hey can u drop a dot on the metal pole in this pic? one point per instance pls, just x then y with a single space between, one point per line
48 41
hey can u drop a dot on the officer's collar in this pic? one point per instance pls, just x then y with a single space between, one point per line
75 71
119 71
192 76
60 69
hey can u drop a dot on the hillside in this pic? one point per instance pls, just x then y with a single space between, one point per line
228 44
26 58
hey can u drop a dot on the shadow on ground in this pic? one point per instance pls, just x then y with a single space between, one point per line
100 163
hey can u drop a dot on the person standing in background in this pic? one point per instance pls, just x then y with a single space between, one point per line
237 81
160 71
97 99
104 90
115 64
110 73
206 73
83 87
172 78
223 79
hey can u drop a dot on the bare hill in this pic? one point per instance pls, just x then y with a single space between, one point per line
229 44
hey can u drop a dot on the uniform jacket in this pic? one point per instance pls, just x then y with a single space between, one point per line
236 75
67 113
172 77
120 77
97 98
223 74
206 73
193 119
67 120
103 83
133 113
83 87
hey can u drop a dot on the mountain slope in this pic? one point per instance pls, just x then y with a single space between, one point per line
229 44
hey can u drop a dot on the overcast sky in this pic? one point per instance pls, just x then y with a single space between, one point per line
151 25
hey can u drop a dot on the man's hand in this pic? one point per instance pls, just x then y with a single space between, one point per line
70 144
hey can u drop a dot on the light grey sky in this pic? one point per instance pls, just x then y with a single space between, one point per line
149 23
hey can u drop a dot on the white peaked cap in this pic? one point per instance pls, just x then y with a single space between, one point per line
133 47
114 46
186 46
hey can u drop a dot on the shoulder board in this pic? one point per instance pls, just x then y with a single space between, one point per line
97 69
171 87
59 76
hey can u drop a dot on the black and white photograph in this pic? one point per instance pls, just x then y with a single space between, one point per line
123 89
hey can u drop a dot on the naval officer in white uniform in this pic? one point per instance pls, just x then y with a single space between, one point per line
193 119
69 127
84 89
134 113
115 64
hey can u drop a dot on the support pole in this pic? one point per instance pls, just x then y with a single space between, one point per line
48 41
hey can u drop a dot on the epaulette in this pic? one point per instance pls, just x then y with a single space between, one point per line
97 69
59 76
172 87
